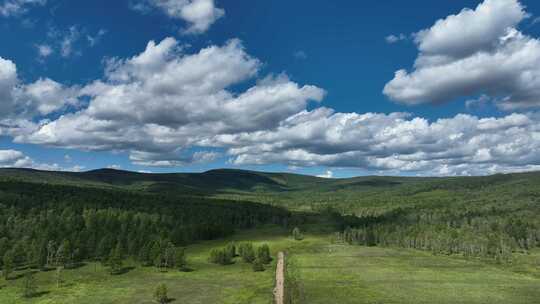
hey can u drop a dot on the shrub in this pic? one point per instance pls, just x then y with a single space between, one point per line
160 294
247 252
220 256
297 234
257 265
263 254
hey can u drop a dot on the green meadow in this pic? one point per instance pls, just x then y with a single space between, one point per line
330 272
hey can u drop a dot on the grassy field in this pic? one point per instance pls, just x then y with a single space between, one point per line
331 273
348 274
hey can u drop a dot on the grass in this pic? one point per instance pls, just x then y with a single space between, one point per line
331 273
336 273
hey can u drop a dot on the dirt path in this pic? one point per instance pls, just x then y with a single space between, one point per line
279 290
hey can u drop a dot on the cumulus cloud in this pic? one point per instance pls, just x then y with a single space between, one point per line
474 52
395 142
41 97
17 159
10 8
162 101
199 14
13 158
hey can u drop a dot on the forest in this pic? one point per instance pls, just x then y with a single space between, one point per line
43 225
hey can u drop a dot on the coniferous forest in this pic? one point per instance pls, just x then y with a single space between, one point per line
43 225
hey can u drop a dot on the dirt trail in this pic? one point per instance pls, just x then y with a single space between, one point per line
279 290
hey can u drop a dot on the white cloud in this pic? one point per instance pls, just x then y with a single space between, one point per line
44 50
327 174
17 159
68 41
472 53
10 8
13 158
477 103
93 40
162 101
199 14
41 97
463 144
395 38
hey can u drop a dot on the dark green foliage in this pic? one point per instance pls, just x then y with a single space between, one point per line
257 265
29 285
221 256
161 294
48 226
263 254
247 252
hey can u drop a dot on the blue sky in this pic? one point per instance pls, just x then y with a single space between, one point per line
336 55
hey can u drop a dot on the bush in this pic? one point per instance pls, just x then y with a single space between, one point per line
160 294
180 259
231 249
247 252
263 254
29 286
297 234
257 265
220 256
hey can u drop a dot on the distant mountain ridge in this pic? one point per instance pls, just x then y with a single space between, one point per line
237 181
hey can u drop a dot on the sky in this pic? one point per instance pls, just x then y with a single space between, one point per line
328 88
